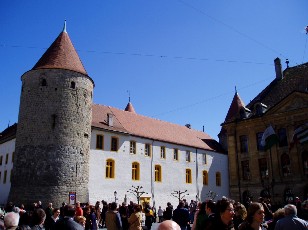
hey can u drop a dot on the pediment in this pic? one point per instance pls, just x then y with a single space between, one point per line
295 101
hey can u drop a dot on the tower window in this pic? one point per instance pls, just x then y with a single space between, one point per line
73 85
44 82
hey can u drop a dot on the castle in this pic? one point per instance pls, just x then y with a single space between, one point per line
64 144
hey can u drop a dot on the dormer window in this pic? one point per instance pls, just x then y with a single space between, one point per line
260 109
73 85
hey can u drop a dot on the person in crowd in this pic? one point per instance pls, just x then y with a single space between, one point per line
9 207
200 216
135 218
67 222
267 207
167 215
160 213
81 220
39 204
11 220
123 210
169 225
291 221
49 212
38 219
87 215
93 218
240 214
255 218
98 212
277 215
103 213
50 222
223 217
130 208
62 210
79 211
181 215
149 215
192 210
304 213
113 219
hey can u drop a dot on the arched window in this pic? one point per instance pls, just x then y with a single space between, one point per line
285 164
135 171
157 173
205 177
188 176
218 179
110 165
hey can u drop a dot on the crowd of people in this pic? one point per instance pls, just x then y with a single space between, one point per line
224 214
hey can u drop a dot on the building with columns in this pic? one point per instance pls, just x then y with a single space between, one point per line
282 170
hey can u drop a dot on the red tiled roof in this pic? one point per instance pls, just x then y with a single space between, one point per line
235 107
61 55
130 108
142 126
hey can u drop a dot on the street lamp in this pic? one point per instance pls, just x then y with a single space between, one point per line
115 196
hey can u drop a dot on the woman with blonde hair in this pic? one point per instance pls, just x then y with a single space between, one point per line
135 218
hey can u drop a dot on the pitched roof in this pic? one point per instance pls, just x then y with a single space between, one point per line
235 107
130 108
61 55
157 130
8 134
294 79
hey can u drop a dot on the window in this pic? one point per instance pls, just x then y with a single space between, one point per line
283 139
135 171
205 177
73 85
114 144
44 82
245 170
188 176
187 156
218 179
147 150
110 168
4 177
132 147
244 144
204 158
163 152
263 168
157 173
13 155
99 141
6 158
175 154
260 147
1 158
285 164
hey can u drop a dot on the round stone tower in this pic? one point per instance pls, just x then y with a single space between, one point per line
54 129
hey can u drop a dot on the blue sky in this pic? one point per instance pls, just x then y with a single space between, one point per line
179 59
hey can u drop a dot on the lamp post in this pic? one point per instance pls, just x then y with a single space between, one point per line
115 196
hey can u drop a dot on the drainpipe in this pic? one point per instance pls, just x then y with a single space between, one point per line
197 174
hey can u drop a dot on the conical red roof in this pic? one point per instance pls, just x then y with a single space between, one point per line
130 108
235 107
61 55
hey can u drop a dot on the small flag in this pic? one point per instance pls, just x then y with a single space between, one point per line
269 138
301 134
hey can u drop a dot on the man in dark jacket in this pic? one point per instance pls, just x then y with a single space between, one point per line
181 216
68 223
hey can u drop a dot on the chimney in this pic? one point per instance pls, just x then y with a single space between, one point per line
110 119
188 126
278 69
